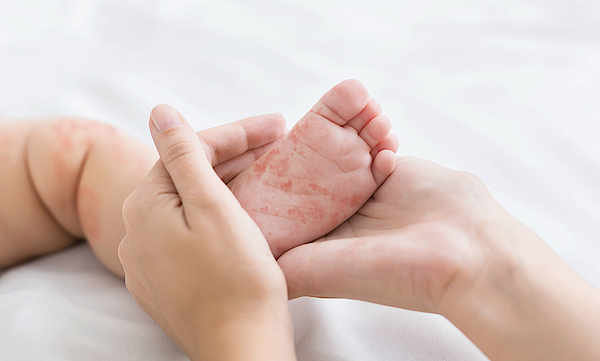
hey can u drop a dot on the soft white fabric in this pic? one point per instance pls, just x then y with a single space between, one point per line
505 89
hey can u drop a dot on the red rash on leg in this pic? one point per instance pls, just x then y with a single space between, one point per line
89 205
8 144
62 171
116 145
73 133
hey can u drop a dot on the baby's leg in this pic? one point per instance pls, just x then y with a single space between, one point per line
62 180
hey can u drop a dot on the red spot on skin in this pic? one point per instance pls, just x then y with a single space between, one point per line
62 200
264 209
318 213
317 188
351 201
7 140
287 185
63 135
300 128
89 209
77 132
8 144
281 167
335 219
261 165
293 136
117 145
294 212
260 168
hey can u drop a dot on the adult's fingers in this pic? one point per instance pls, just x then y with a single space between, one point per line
181 152
374 270
228 141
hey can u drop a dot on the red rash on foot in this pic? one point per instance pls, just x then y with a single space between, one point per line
260 168
317 188
294 212
294 134
261 165
281 168
287 185
351 201
335 218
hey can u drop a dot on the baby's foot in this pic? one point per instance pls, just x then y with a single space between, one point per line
322 172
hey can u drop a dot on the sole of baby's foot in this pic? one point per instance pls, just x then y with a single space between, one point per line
322 172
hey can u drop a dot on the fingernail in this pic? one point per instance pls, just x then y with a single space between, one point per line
165 117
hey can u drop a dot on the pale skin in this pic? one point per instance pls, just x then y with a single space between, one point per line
430 239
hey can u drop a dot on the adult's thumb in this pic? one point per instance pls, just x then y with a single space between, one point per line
182 153
340 268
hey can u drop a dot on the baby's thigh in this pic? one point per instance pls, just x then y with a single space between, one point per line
65 179
27 229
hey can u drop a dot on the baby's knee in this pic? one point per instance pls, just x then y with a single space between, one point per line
73 133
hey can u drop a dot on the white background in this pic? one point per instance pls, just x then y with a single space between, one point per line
508 90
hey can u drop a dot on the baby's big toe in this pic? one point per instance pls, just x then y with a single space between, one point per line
343 102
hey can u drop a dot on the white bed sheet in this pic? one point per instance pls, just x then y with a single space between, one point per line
507 90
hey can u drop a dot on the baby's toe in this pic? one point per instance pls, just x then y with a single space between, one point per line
371 110
376 130
390 142
383 165
343 102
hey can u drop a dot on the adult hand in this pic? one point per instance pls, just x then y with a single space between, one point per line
196 262
433 239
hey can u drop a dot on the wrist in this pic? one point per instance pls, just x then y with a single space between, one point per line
524 303
248 331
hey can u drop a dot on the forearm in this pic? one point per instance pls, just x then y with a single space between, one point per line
261 336
528 304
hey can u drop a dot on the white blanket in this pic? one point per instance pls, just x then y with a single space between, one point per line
506 89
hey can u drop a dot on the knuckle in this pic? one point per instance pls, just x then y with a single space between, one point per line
178 150
130 207
471 181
